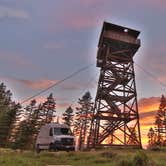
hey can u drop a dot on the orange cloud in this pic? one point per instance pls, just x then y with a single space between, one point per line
147 112
148 104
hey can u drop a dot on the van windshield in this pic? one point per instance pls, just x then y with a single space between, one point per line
62 131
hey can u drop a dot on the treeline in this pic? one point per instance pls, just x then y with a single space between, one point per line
157 134
19 125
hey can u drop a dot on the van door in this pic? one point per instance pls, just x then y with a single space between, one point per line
45 137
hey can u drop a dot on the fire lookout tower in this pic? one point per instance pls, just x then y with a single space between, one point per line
115 119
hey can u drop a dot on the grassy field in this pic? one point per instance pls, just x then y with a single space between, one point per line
111 157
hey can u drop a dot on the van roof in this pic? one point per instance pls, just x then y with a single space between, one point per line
57 125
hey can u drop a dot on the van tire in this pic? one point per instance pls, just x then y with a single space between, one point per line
51 147
38 148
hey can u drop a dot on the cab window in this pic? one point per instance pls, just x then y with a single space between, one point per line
62 131
51 132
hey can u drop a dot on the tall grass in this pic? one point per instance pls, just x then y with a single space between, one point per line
111 157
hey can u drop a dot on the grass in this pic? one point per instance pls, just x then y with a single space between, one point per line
111 157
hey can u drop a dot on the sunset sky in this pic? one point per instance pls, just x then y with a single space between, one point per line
43 41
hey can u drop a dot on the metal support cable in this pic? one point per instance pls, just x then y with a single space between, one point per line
85 89
151 75
57 83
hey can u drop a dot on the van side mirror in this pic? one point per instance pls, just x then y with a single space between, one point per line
51 132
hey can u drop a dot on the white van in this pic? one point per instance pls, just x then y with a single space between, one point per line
55 136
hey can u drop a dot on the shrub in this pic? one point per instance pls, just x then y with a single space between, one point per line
125 162
140 159
108 154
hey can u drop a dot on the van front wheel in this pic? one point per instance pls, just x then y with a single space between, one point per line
38 149
51 147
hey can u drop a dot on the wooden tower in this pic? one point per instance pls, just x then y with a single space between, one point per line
115 120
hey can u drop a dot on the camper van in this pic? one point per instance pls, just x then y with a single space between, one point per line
55 136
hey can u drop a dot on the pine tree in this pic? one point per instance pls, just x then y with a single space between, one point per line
68 116
49 109
14 115
152 136
82 119
35 116
8 114
160 121
28 128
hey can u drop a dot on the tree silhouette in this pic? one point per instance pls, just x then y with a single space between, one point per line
49 108
36 115
152 136
160 121
82 120
9 111
68 116
28 127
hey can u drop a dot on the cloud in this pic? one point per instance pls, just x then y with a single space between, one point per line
147 111
63 105
6 12
79 15
33 84
38 84
39 99
144 115
148 104
81 22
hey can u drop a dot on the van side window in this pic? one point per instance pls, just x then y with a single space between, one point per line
51 132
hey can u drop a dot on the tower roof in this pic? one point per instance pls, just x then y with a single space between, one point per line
119 29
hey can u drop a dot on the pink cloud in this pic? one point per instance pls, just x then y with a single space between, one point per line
81 22
78 15
63 105
35 85
39 84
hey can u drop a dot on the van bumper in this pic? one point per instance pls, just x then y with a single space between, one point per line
59 146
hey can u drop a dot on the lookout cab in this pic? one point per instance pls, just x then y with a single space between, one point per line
121 41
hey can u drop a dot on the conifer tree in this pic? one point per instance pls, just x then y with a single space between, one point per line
28 127
35 116
49 109
160 121
8 114
68 116
82 119
152 136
